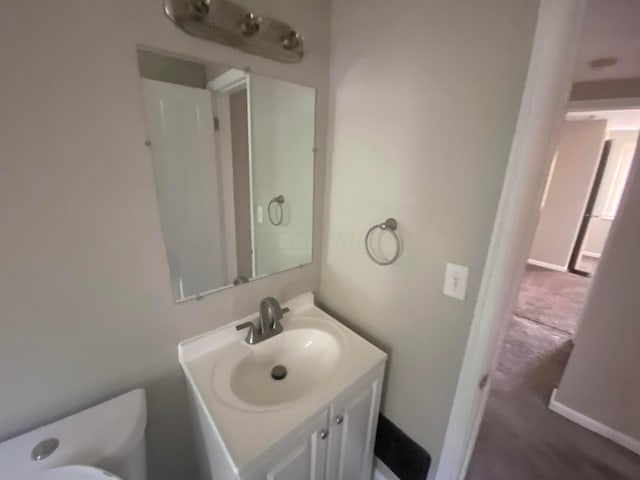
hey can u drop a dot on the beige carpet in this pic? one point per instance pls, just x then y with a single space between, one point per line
552 298
520 438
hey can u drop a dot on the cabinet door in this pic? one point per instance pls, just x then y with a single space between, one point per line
354 418
302 457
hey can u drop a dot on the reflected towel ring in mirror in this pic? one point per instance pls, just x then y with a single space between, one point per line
389 225
277 201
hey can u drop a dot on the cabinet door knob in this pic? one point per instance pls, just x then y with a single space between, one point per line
324 433
339 419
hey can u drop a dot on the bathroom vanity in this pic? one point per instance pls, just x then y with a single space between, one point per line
316 422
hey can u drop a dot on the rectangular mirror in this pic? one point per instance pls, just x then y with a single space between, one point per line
233 156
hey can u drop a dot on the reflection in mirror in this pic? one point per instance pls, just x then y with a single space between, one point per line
233 164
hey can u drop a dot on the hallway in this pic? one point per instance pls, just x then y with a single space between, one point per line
520 438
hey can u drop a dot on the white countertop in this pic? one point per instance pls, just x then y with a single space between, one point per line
245 433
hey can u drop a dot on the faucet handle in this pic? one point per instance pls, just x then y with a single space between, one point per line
251 334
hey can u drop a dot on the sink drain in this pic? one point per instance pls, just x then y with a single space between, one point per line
278 372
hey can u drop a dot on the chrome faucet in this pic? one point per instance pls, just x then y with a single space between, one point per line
268 323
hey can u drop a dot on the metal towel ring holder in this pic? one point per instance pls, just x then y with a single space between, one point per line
390 225
278 201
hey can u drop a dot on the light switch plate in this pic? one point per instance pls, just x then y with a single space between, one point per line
455 281
259 214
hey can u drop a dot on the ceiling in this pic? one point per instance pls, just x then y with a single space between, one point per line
611 29
616 119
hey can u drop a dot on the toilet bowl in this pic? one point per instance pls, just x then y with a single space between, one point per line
104 442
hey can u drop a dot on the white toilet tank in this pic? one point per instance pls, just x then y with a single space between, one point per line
109 436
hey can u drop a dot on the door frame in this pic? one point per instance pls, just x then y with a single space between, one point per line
542 110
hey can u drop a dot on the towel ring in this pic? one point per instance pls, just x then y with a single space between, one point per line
278 201
390 225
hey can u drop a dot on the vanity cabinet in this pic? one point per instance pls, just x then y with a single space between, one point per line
317 423
303 456
336 444
353 421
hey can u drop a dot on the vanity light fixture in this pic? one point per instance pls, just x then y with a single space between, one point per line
603 63
250 25
227 23
199 8
292 41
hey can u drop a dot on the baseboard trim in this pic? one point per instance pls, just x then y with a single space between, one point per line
591 254
550 266
381 471
590 424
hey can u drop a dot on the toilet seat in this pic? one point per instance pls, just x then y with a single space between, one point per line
76 472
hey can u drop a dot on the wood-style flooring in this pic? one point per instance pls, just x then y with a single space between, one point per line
520 438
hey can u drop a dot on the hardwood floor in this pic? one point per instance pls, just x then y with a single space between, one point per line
520 438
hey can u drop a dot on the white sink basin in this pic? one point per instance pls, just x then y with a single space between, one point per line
242 376
230 381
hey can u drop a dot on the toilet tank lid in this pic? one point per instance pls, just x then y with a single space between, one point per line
75 472
101 434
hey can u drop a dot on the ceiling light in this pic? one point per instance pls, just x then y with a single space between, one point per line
602 63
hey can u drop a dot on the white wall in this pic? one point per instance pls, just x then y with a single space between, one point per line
86 309
568 190
425 97
601 380
623 143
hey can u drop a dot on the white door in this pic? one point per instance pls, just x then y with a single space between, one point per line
354 418
302 457
181 131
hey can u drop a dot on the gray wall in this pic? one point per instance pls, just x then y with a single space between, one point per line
172 70
601 380
425 97
606 89
86 310
596 236
567 193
